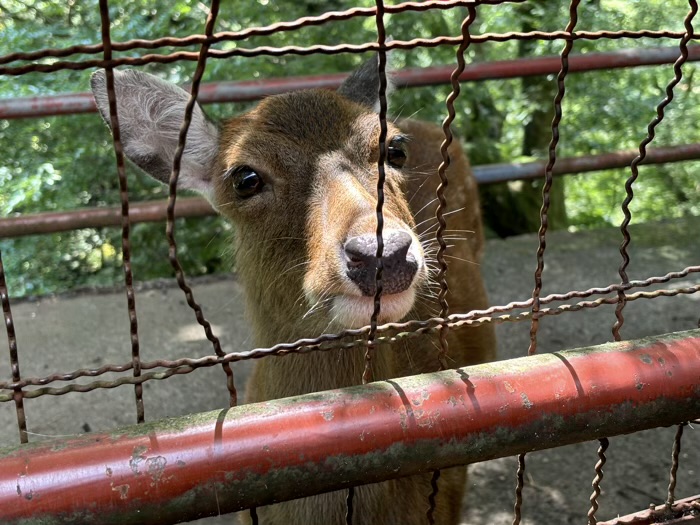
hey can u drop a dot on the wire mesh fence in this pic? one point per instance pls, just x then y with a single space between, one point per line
138 372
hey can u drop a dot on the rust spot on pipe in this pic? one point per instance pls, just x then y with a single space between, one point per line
123 491
156 467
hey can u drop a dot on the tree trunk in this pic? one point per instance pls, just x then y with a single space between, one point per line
514 208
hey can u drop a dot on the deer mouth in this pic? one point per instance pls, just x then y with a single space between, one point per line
355 311
402 268
348 287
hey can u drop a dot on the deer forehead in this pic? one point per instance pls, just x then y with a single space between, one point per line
291 132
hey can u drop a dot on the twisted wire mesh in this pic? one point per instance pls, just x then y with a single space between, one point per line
126 225
17 394
602 459
172 197
439 215
381 180
675 453
368 336
544 224
326 342
634 166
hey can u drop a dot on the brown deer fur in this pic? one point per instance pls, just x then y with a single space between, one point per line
316 154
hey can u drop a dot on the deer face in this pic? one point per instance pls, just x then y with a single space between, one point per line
297 176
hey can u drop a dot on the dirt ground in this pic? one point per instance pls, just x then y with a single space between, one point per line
91 328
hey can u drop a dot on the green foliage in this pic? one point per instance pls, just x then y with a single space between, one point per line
62 163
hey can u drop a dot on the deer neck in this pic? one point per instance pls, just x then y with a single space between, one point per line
277 315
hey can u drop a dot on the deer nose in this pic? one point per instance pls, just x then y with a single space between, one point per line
399 265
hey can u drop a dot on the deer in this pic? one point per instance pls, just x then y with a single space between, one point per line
297 178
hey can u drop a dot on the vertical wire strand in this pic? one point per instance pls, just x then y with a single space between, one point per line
172 197
675 454
519 484
442 224
634 166
125 221
432 503
381 71
548 174
349 500
604 443
14 356
253 516
624 226
442 173
544 226
367 375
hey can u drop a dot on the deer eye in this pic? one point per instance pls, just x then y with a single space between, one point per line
396 152
246 182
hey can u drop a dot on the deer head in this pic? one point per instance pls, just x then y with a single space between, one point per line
297 176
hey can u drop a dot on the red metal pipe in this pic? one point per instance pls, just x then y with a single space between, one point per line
494 173
218 462
73 103
52 222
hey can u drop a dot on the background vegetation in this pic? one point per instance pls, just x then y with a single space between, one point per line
62 163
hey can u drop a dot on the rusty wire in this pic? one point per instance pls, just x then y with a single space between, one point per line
332 50
549 175
395 331
367 375
432 497
381 179
172 197
349 501
187 365
442 173
18 395
544 224
124 198
519 484
232 36
651 132
604 443
327 342
624 228
439 215
671 497
660 514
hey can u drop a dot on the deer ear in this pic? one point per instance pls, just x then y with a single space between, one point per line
150 113
362 85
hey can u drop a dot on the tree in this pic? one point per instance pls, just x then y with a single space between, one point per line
62 163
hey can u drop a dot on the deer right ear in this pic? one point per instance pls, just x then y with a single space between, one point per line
150 113
362 85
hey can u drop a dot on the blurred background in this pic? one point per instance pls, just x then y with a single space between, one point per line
67 162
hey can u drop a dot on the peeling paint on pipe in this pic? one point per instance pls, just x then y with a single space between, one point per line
217 462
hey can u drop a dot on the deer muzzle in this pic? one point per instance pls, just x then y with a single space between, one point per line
399 264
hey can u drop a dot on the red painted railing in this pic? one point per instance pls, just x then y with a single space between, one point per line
199 465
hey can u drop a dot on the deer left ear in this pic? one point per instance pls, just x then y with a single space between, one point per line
362 86
150 113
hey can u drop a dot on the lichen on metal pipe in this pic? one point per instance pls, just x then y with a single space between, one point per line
227 460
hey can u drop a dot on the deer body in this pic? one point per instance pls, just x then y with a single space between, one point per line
297 176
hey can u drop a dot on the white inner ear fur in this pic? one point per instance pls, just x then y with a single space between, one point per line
150 113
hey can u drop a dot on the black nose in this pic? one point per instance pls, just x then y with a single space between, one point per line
399 265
